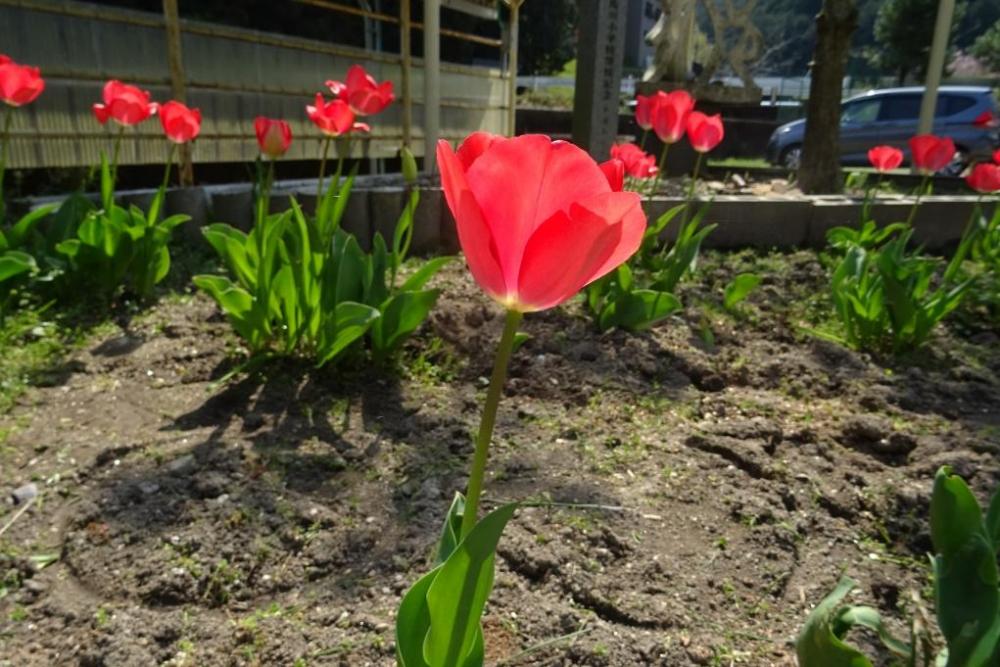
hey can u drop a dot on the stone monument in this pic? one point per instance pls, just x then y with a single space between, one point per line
600 51
737 44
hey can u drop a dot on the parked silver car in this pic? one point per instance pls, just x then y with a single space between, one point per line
967 114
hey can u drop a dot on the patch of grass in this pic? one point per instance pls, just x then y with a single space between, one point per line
31 345
739 163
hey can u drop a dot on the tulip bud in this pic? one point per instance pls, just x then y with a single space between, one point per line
409 165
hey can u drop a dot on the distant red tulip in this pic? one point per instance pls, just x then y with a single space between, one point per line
885 158
931 154
643 110
985 119
19 84
669 113
124 104
638 163
333 118
362 92
180 123
537 219
996 156
984 178
704 132
273 136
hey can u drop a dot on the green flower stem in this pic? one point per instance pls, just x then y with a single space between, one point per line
921 191
8 118
642 142
659 170
322 170
871 193
691 186
170 162
964 245
504 350
115 152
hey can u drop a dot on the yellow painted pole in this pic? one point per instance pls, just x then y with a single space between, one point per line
406 60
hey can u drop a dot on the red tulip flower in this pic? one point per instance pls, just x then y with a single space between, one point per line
537 219
885 158
180 123
996 156
669 114
273 136
985 119
984 178
704 132
930 153
333 118
19 84
643 111
364 95
124 104
637 162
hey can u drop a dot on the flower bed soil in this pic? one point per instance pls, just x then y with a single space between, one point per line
723 483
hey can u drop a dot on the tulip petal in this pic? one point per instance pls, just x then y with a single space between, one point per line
548 277
474 233
101 113
475 145
614 169
549 177
626 207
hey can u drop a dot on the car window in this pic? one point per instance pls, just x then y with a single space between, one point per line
900 107
949 105
862 111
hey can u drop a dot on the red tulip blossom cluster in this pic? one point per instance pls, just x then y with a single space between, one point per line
885 158
672 114
124 104
19 84
930 153
180 123
362 93
636 162
984 178
537 219
273 136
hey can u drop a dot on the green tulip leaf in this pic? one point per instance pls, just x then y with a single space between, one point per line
820 644
458 594
451 529
739 289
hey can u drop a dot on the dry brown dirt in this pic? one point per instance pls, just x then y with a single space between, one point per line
703 485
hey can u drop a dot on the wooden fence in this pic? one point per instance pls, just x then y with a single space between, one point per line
231 74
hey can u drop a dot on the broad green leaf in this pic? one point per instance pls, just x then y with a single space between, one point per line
401 315
413 620
69 247
451 529
426 271
17 234
818 645
15 262
68 218
458 594
739 288
955 513
638 310
993 521
350 322
520 338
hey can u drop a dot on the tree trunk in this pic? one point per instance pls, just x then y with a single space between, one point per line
820 169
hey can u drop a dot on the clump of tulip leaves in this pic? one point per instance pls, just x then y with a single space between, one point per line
966 590
303 285
112 246
642 292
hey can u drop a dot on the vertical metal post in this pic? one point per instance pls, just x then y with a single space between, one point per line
935 65
432 81
406 58
515 9
175 62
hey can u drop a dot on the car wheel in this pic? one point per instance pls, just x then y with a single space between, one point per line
957 164
791 158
